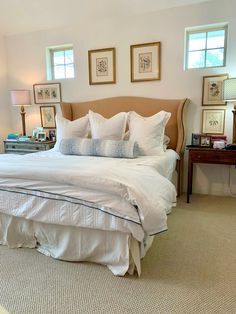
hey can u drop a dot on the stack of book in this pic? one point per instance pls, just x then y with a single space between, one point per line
12 137
218 138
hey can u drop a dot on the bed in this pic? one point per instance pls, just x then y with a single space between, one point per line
90 208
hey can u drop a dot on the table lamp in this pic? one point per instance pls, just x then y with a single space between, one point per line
229 88
20 97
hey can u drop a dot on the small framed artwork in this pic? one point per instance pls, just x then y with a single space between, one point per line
102 66
47 114
196 139
212 90
52 135
205 141
145 62
213 121
47 93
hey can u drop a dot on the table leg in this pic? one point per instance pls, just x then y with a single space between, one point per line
190 178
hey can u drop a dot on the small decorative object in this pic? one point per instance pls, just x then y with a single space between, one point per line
205 141
47 93
102 66
21 97
196 139
52 135
213 121
41 136
212 90
48 117
145 62
36 130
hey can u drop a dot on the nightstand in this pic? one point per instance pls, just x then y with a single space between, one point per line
207 156
21 148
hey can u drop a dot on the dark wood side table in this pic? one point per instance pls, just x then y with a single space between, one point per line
21 148
207 156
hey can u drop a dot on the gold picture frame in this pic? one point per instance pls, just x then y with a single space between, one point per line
213 121
145 62
102 66
47 114
212 90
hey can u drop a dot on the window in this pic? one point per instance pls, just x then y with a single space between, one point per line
206 47
60 62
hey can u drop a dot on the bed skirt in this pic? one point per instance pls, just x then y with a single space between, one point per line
119 251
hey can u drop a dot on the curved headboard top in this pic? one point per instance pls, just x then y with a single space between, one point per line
108 107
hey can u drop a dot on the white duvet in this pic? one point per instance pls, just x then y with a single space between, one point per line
129 195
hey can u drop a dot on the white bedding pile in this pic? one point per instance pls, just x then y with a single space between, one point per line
130 196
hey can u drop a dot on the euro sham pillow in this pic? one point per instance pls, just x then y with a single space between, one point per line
98 147
107 129
69 129
148 132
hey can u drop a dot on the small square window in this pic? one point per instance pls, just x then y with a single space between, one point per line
60 63
206 47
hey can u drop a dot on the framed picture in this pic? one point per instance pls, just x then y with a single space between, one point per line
213 121
41 136
52 135
145 61
102 66
205 141
212 90
47 114
47 93
196 139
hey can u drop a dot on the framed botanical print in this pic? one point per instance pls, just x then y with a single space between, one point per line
213 121
145 62
102 66
47 93
47 114
212 90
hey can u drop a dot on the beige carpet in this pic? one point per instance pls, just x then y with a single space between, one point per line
189 269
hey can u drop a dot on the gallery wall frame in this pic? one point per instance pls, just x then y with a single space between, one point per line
47 114
212 90
102 66
145 62
47 93
213 121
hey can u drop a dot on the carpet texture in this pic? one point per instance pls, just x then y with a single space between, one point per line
189 269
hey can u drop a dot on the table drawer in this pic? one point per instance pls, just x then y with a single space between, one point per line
213 157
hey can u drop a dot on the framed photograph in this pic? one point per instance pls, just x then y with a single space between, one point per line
41 136
47 93
102 66
213 121
47 114
196 139
52 135
145 61
212 90
205 141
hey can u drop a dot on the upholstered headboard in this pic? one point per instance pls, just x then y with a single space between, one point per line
144 106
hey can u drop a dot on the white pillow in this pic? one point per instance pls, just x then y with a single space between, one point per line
148 132
107 129
69 129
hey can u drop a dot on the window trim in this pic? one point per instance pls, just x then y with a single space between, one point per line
50 61
205 29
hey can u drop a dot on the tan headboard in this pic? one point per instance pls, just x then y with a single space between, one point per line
144 106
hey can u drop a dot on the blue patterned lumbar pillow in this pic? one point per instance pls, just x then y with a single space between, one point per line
99 147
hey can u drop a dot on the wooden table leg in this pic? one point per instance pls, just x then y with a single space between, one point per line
190 178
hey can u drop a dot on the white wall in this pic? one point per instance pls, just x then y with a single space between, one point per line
26 59
4 108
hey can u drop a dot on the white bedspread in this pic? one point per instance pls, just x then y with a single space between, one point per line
130 193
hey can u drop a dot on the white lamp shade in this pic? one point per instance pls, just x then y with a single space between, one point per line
20 97
230 89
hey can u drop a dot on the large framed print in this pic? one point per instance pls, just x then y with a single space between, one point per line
212 90
213 121
47 93
47 114
102 66
145 61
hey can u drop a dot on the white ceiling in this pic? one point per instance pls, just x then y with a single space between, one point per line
21 16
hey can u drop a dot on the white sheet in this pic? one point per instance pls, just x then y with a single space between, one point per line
130 182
